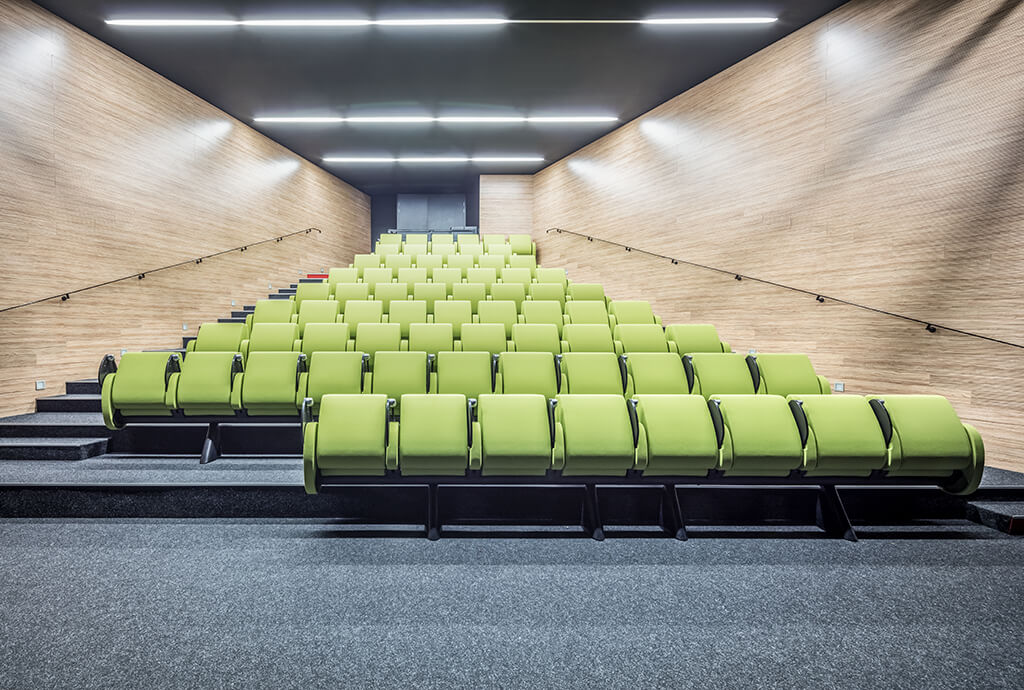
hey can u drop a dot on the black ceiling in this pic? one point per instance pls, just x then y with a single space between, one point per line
622 70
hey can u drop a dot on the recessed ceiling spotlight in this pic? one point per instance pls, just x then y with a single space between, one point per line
444 119
433 159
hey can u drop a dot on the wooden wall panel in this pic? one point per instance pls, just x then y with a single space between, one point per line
506 204
109 169
874 156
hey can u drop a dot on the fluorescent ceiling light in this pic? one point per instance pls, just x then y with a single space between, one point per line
434 159
172 22
446 119
300 120
426 22
709 20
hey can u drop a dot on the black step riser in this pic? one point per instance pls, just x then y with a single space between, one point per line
241 439
87 387
278 296
54 431
65 405
241 320
69 453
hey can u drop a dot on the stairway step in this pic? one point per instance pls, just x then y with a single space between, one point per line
73 448
1005 516
278 296
236 314
69 403
286 291
310 280
82 387
231 320
54 425
249 307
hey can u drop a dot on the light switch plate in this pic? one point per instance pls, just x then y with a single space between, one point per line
839 386
40 385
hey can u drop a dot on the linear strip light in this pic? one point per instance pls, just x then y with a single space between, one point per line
434 159
454 21
444 119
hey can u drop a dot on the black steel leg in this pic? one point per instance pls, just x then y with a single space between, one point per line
433 517
671 514
592 514
211 446
830 514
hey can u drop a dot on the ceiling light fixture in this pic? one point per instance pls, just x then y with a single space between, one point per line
444 119
434 159
427 22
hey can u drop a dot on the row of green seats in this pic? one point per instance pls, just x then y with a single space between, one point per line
516 243
439 274
363 262
527 435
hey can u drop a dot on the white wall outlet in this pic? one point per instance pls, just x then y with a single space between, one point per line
123 351
232 303
839 386
40 385
269 286
184 326
323 269
751 352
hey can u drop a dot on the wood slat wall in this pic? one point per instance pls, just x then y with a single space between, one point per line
506 204
875 156
110 169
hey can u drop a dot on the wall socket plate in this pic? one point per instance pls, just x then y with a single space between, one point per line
839 387
751 352
123 351
232 303
184 326
40 385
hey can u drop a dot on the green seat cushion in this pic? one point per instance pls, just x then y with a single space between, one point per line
697 337
553 276
763 438
363 311
344 292
407 313
321 337
503 312
204 386
273 311
464 373
632 311
588 337
591 372
220 337
641 337
542 292
511 292
140 383
351 434
433 436
927 434
597 433
515 435
657 373
317 311
455 312
681 437
376 337
546 311
398 373
723 373
273 337
483 337
469 292
270 382
334 372
586 292
536 337
843 435
787 374
527 372
431 337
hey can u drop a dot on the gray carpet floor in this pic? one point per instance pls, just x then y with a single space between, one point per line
283 604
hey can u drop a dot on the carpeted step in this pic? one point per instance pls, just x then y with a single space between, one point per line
1005 516
69 403
311 280
82 387
231 320
236 314
54 425
278 296
73 448
286 291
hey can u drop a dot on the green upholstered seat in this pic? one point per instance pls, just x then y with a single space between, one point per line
465 373
655 373
592 372
695 337
394 238
318 311
431 263
467 238
341 275
361 262
527 261
397 262
411 276
498 311
351 438
344 292
521 244
498 250
206 381
388 292
415 247
469 292
473 250
397 373
509 292
761 438
463 262
590 292
363 311
270 384
332 373
515 435
634 337
375 276
218 337
497 262
484 337
375 337
527 372
433 436
140 386
271 311
546 311
407 313
313 291
454 312
486 275
843 437
677 435
493 240
522 276
596 435
443 249
588 337
430 293
272 337
588 311
325 337
431 337
536 337
542 292
552 275
632 311
442 238
929 439
447 277
722 373
386 250
788 374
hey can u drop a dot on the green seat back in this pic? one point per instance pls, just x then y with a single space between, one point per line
431 337
641 338
521 244
516 275
465 373
442 238
341 275
681 438
446 277
787 374
552 275
361 262
597 433
375 276
493 240
443 249
515 435
536 337
273 337
270 382
344 292
657 373
463 262
762 438
325 337
398 373
484 337
406 313
928 436
318 311
843 437
587 337
467 238
375 337
486 275
388 292
204 386
723 373
694 337
140 383
632 311
587 311
396 262
455 313
433 437
273 311
351 436
502 250
509 292
411 276
390 238
493 261
541 292
363 311
544 311
527 372
429 262
591 373
430 293
473 250
220 337
311 291
334 372
498 311
415 247
527 261
587 292
469 292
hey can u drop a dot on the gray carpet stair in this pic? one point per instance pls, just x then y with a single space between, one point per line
50 448
76 402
